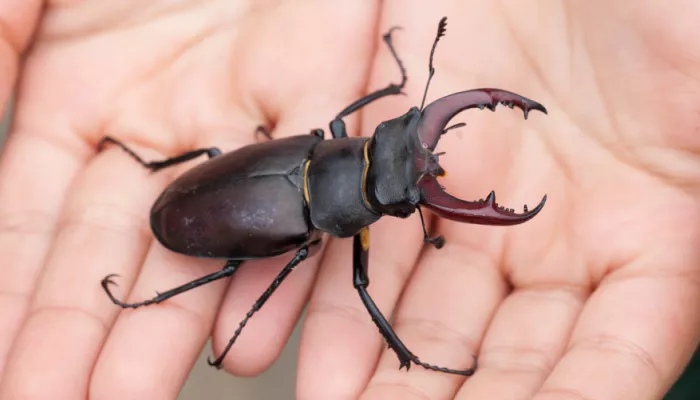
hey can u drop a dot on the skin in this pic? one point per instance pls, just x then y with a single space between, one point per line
592 299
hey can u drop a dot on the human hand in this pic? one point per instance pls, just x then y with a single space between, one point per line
164 77
139 343
592 299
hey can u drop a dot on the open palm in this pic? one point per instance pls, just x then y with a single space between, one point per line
588 300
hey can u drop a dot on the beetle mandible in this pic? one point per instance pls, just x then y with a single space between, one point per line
278 196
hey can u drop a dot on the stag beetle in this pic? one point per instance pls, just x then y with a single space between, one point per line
276 196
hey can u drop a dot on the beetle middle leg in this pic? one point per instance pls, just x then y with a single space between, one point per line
337 126
361 282
298 258
168 162
264 131
228 270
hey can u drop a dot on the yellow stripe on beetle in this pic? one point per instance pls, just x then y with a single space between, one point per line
306 182
364 238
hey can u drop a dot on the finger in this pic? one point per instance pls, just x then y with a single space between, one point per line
638 322
102 228
28 203
31 196
160 342
523 343
313 87
18 19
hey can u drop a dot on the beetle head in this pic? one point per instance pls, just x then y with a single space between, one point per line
404 169
393 171
431 126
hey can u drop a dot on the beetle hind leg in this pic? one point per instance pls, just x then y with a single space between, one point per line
228 270
361 282
300 256
157 165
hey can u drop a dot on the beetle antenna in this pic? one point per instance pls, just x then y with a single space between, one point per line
442 27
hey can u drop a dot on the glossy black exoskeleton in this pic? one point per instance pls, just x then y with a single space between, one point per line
279 196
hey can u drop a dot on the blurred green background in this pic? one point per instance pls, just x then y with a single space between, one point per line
688 386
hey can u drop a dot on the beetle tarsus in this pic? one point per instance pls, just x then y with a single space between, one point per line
298 258
107 280
168 162
437 241
465 372
229 268
387 35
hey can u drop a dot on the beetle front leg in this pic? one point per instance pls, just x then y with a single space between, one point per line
361 282
337 126
168 162
437 241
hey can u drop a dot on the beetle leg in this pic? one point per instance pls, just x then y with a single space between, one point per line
437 241
168 162
261 130
318 132
337 126
361 282
298 258
228 270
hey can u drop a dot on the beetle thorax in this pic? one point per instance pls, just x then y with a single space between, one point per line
393 173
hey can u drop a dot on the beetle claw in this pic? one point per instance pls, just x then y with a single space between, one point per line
437 114
216 363
392 29
107 280
484 212
438 242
